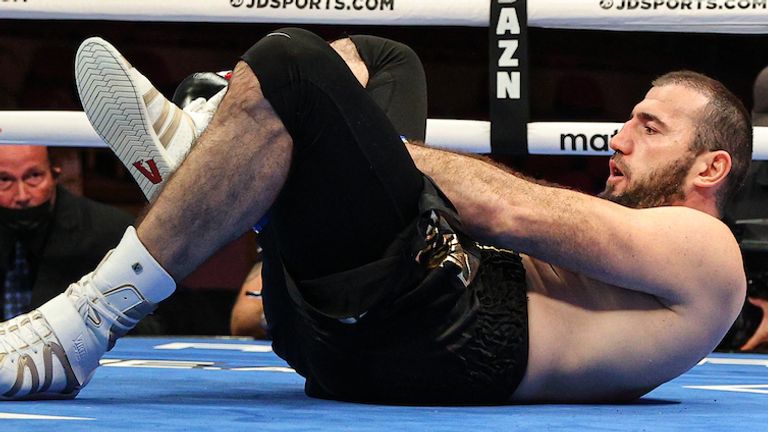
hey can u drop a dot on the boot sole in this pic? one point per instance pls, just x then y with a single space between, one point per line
117 112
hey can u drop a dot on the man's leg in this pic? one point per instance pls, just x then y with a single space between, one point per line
391 72
346 153
225 185
341 183
52 352
397 83
392 75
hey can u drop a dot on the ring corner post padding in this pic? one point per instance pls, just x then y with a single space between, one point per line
508 76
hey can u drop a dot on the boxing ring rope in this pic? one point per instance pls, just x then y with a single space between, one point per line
694 16
72 129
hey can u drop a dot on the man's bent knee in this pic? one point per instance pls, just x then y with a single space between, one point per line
244 84
378 52
296 70
285 55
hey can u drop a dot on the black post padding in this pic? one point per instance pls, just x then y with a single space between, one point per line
508 76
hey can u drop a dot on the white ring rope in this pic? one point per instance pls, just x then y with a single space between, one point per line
72 129
694 16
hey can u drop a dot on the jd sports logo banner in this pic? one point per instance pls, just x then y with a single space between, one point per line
508 45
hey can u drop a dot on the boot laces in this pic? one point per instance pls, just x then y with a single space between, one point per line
94 307
20 334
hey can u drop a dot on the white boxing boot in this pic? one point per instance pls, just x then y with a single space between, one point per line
148 133
52 352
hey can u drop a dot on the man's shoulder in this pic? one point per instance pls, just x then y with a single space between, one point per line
675 253
713 257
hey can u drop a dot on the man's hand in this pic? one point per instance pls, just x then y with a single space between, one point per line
248 312
761 334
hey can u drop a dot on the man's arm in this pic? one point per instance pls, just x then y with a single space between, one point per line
669 252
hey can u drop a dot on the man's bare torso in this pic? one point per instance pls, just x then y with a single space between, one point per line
590 341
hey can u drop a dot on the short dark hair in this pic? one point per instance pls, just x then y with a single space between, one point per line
724 124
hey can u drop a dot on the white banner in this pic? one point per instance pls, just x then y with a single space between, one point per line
718 16
570 138
358 12
72 129
690 16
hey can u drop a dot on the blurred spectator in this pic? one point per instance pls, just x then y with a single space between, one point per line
48 236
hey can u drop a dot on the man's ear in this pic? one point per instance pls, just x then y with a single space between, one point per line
56 172
713 168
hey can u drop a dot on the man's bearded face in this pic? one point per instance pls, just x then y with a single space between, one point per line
659 187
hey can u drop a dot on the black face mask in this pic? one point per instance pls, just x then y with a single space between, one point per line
24 221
